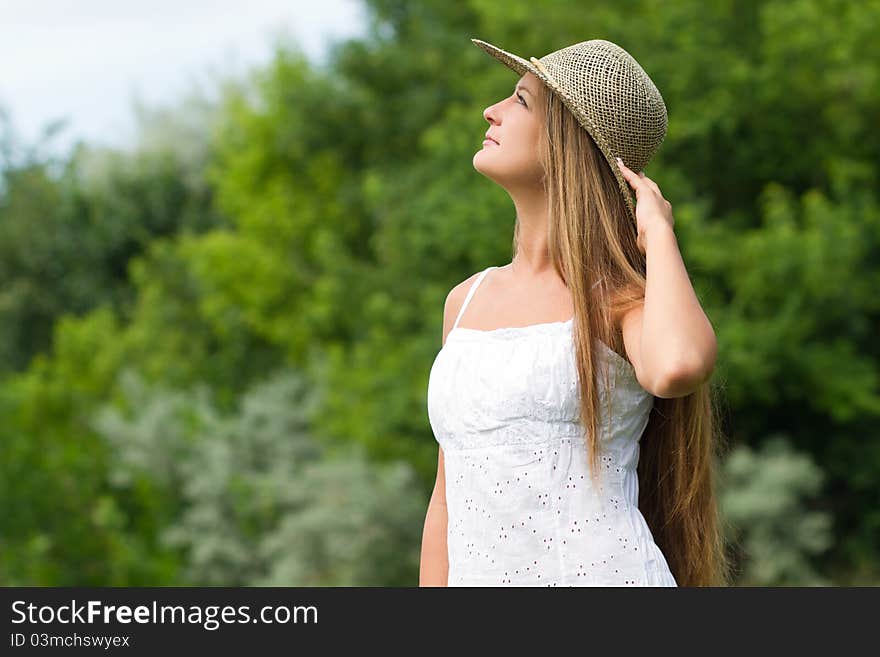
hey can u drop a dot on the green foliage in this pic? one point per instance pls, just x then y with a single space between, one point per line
65 243
60 522
769 499
250 499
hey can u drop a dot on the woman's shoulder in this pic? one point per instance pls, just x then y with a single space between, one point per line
455 300
455 297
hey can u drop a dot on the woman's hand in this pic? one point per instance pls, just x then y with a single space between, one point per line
651 208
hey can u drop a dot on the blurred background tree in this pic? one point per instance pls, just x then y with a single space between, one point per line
216 345
769 498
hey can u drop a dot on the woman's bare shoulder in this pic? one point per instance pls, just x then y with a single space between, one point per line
458 292
454 301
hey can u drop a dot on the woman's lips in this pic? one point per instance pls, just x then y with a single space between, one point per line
489 141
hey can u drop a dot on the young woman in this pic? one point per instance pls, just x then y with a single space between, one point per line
571 397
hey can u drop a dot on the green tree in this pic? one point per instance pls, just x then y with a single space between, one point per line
252 499
768 499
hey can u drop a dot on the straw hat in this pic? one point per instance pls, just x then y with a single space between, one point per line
610 95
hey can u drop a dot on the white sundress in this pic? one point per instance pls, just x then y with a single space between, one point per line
522 508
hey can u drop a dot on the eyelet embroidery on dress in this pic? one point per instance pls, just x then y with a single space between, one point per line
522 507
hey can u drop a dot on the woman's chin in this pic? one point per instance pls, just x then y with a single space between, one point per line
480 154
477 164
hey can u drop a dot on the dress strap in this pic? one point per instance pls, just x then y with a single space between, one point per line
470 294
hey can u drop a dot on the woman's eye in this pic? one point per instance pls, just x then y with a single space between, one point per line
522 99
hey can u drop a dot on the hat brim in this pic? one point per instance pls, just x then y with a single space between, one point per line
522 66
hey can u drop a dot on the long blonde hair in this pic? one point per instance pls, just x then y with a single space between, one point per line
592 240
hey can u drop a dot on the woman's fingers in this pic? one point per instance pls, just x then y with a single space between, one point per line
627 173
634 179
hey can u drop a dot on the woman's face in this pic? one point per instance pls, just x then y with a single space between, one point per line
515 123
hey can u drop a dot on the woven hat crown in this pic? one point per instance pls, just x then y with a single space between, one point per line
609 93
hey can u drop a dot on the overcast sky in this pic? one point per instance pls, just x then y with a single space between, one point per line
87 59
